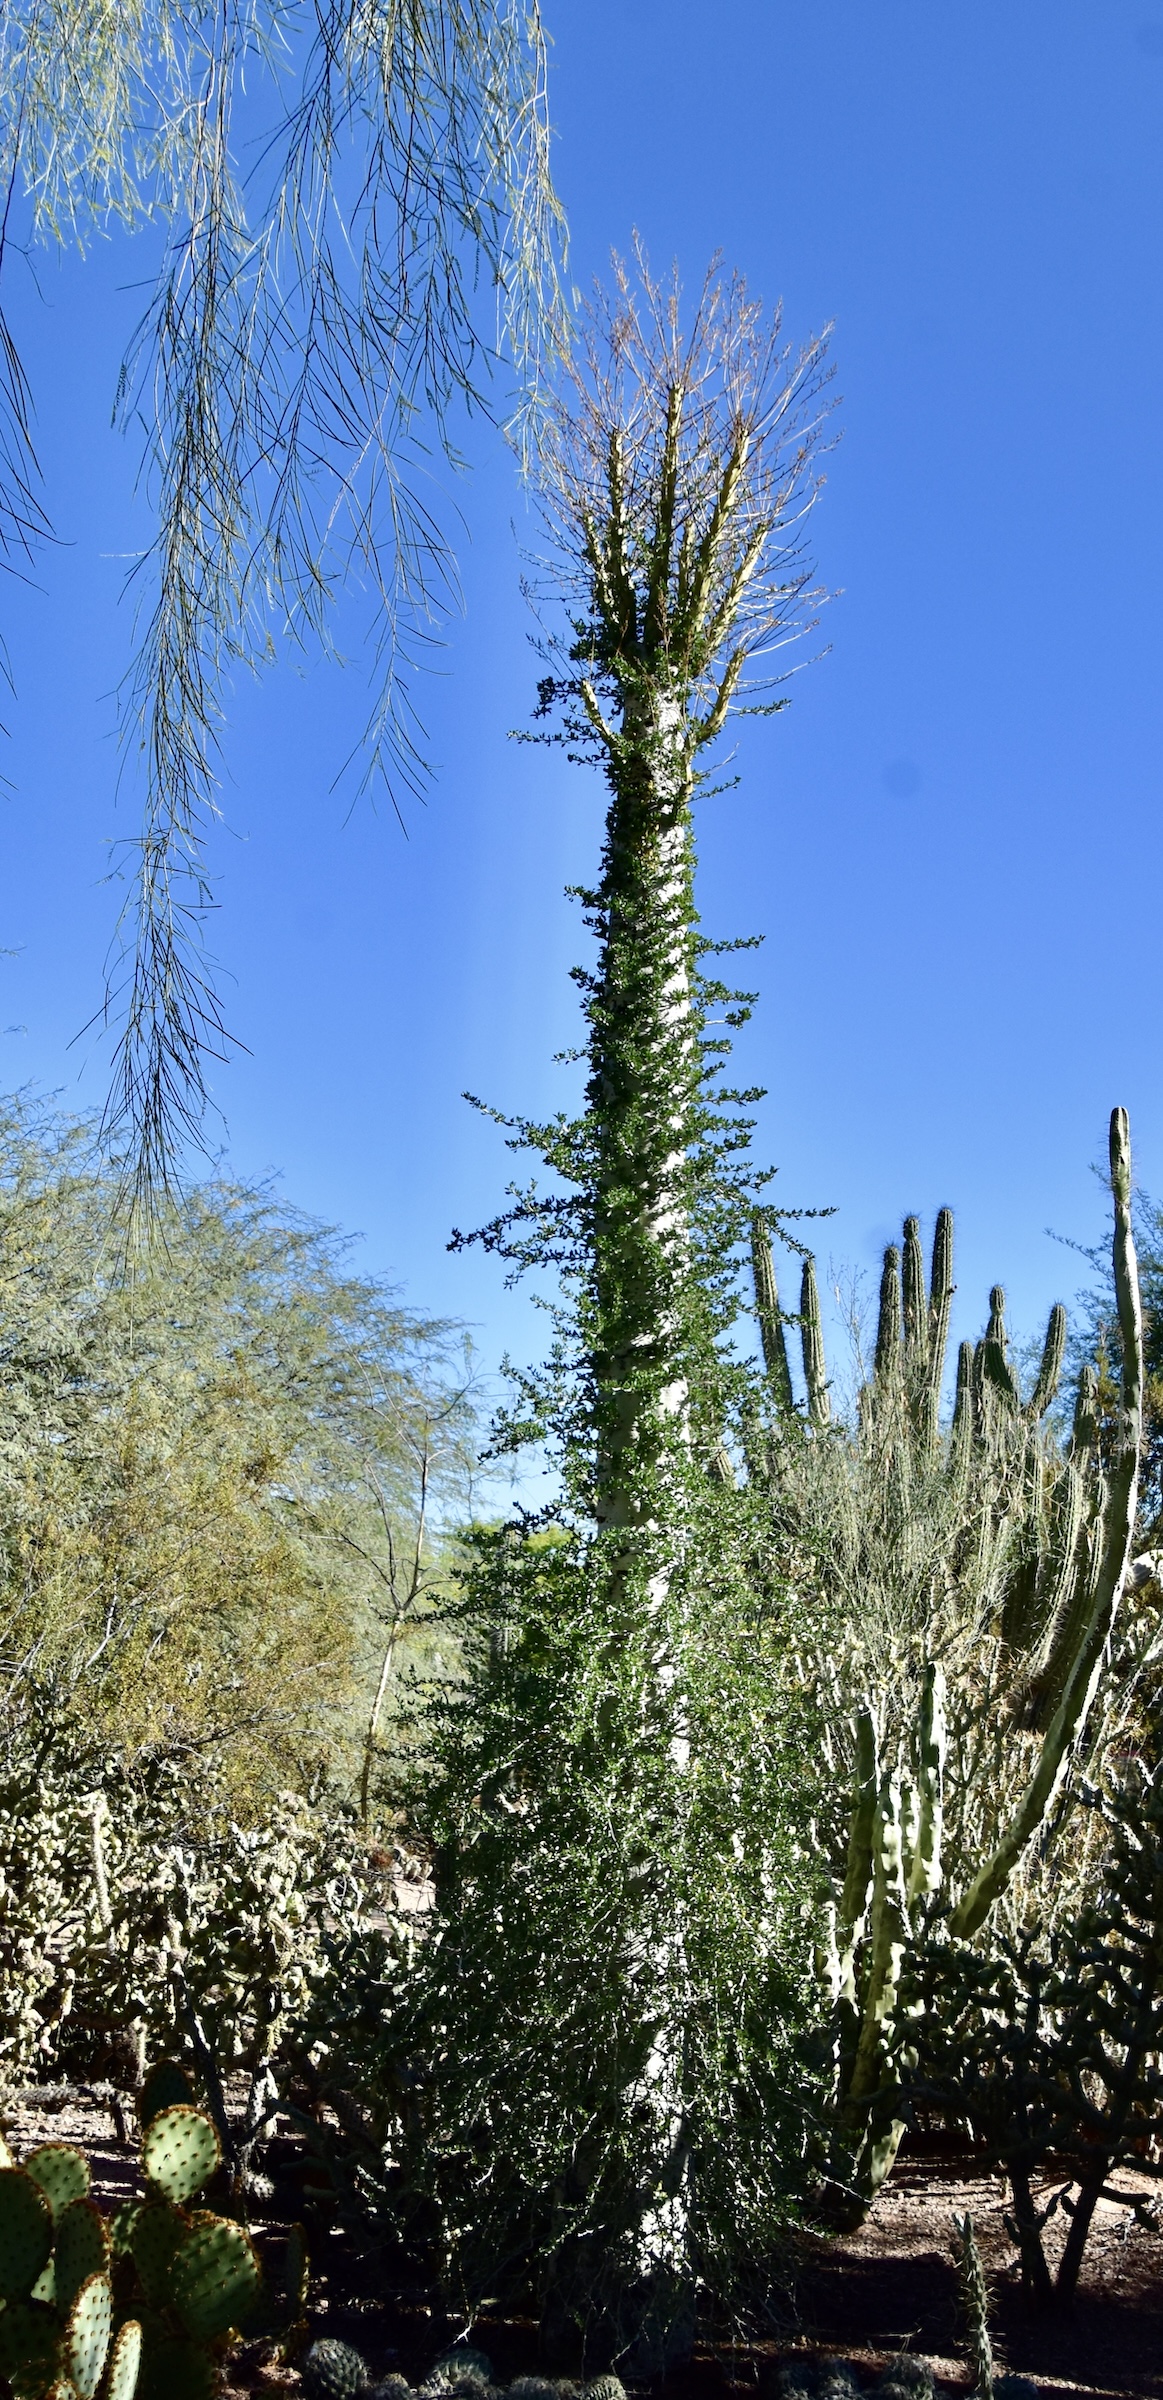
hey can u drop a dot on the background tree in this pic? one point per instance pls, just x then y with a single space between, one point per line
210 1474
313 323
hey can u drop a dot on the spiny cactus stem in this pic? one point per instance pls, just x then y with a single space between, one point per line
888 1324
1117 1538
915 1309
854 1899
812 1335
941 1290
975 2302
1050 1371
767 1310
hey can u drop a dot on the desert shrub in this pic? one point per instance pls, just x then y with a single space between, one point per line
1048 2041
529 2099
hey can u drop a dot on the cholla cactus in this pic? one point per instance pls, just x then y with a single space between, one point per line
176 1914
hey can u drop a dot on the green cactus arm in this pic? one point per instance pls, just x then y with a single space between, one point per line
916 1311
889 1935
1117 1541
925 1866
941 1290
767 1310
1050 1372
963 1403
858 1871
1084 1433
888 1323
994 1351
1072 1601
812 1337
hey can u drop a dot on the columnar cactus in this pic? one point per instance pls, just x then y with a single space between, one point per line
991 1565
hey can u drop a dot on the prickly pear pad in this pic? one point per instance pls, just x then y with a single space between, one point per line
157 2230
216 2278
87 2329
124 2363
30 2346
25 2233
166 2086
62 2173
82 2249
180 2151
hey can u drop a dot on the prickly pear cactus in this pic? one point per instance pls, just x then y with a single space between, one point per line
332 2370
26 2233
216 2279
197 2275
180 2151
62 2173
124 2362
166 2086
88 2327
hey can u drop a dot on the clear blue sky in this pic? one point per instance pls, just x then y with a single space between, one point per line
951 841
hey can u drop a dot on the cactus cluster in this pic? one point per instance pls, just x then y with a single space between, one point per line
138 2304
332 2370
133 1906
908 2378
974 1575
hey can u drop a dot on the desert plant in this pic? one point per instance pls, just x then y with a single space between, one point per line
137 1916
582 2093
144 2301
974 1670
1047 2042
211 1472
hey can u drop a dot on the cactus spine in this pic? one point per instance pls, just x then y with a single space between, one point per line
888 1323
975 2308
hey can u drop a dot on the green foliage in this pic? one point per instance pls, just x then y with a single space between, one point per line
584 2086
339 186
210 1470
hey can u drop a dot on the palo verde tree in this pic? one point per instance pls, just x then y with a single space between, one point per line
221 1481
614 1964
333 182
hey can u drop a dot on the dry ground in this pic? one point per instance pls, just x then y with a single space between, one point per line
890 2287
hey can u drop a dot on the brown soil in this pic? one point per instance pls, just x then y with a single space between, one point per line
864 2296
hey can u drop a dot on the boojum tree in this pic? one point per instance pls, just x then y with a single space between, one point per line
676 476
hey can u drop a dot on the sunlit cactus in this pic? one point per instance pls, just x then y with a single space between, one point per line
916 1310
1045 1390
812 1337
767 1310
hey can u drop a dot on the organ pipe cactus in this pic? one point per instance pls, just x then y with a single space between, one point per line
978 1575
